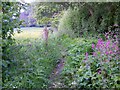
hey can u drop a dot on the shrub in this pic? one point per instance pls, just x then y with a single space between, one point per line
104 64
75 54
96 68
89 18
69 23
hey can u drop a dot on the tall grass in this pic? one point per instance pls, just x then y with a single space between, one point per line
31 62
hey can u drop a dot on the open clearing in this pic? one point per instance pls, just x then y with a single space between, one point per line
29 32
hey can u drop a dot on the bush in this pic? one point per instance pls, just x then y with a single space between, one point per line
68 23
89 18
92 66
75 54
104 64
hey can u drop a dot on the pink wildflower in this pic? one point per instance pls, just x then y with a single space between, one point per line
93 46
116 24
107 43
107 53
117 48
94 54
86 55
99 71
110 52
115 36
100 43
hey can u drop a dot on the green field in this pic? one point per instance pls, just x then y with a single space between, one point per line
29 32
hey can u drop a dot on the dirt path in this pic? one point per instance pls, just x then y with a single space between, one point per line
54 78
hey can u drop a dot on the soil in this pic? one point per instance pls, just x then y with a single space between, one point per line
54 77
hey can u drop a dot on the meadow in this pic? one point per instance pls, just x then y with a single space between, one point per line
29 32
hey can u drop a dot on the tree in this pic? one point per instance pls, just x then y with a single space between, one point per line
10 20
45 12
90 18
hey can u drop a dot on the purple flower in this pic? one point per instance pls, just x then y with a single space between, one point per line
115 36
100 43
110 52
99 71
107 43
94 54
93 46
107 52
86 55
116 48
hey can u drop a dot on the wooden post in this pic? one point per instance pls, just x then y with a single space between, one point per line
45 35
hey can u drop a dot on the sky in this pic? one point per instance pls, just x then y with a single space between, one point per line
27 1
22 10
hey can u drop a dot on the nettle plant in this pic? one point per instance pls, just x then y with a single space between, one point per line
103 65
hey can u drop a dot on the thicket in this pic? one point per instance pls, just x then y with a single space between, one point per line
82 68
10 20
92 63
95 18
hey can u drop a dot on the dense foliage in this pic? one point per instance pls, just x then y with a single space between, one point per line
31 64
0 47
81 18
49 12
89 62
10 20
89 18
44 11
91 65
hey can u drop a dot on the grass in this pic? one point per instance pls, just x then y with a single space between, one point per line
28 33
31 61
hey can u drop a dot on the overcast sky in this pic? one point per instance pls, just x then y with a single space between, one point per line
27 1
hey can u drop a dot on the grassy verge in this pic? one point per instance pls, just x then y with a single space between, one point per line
31 62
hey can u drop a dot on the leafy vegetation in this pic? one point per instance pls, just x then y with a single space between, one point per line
89 18
8 24
44 11
90 66
31 64
87 39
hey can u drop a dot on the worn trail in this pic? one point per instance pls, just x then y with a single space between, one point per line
54 78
